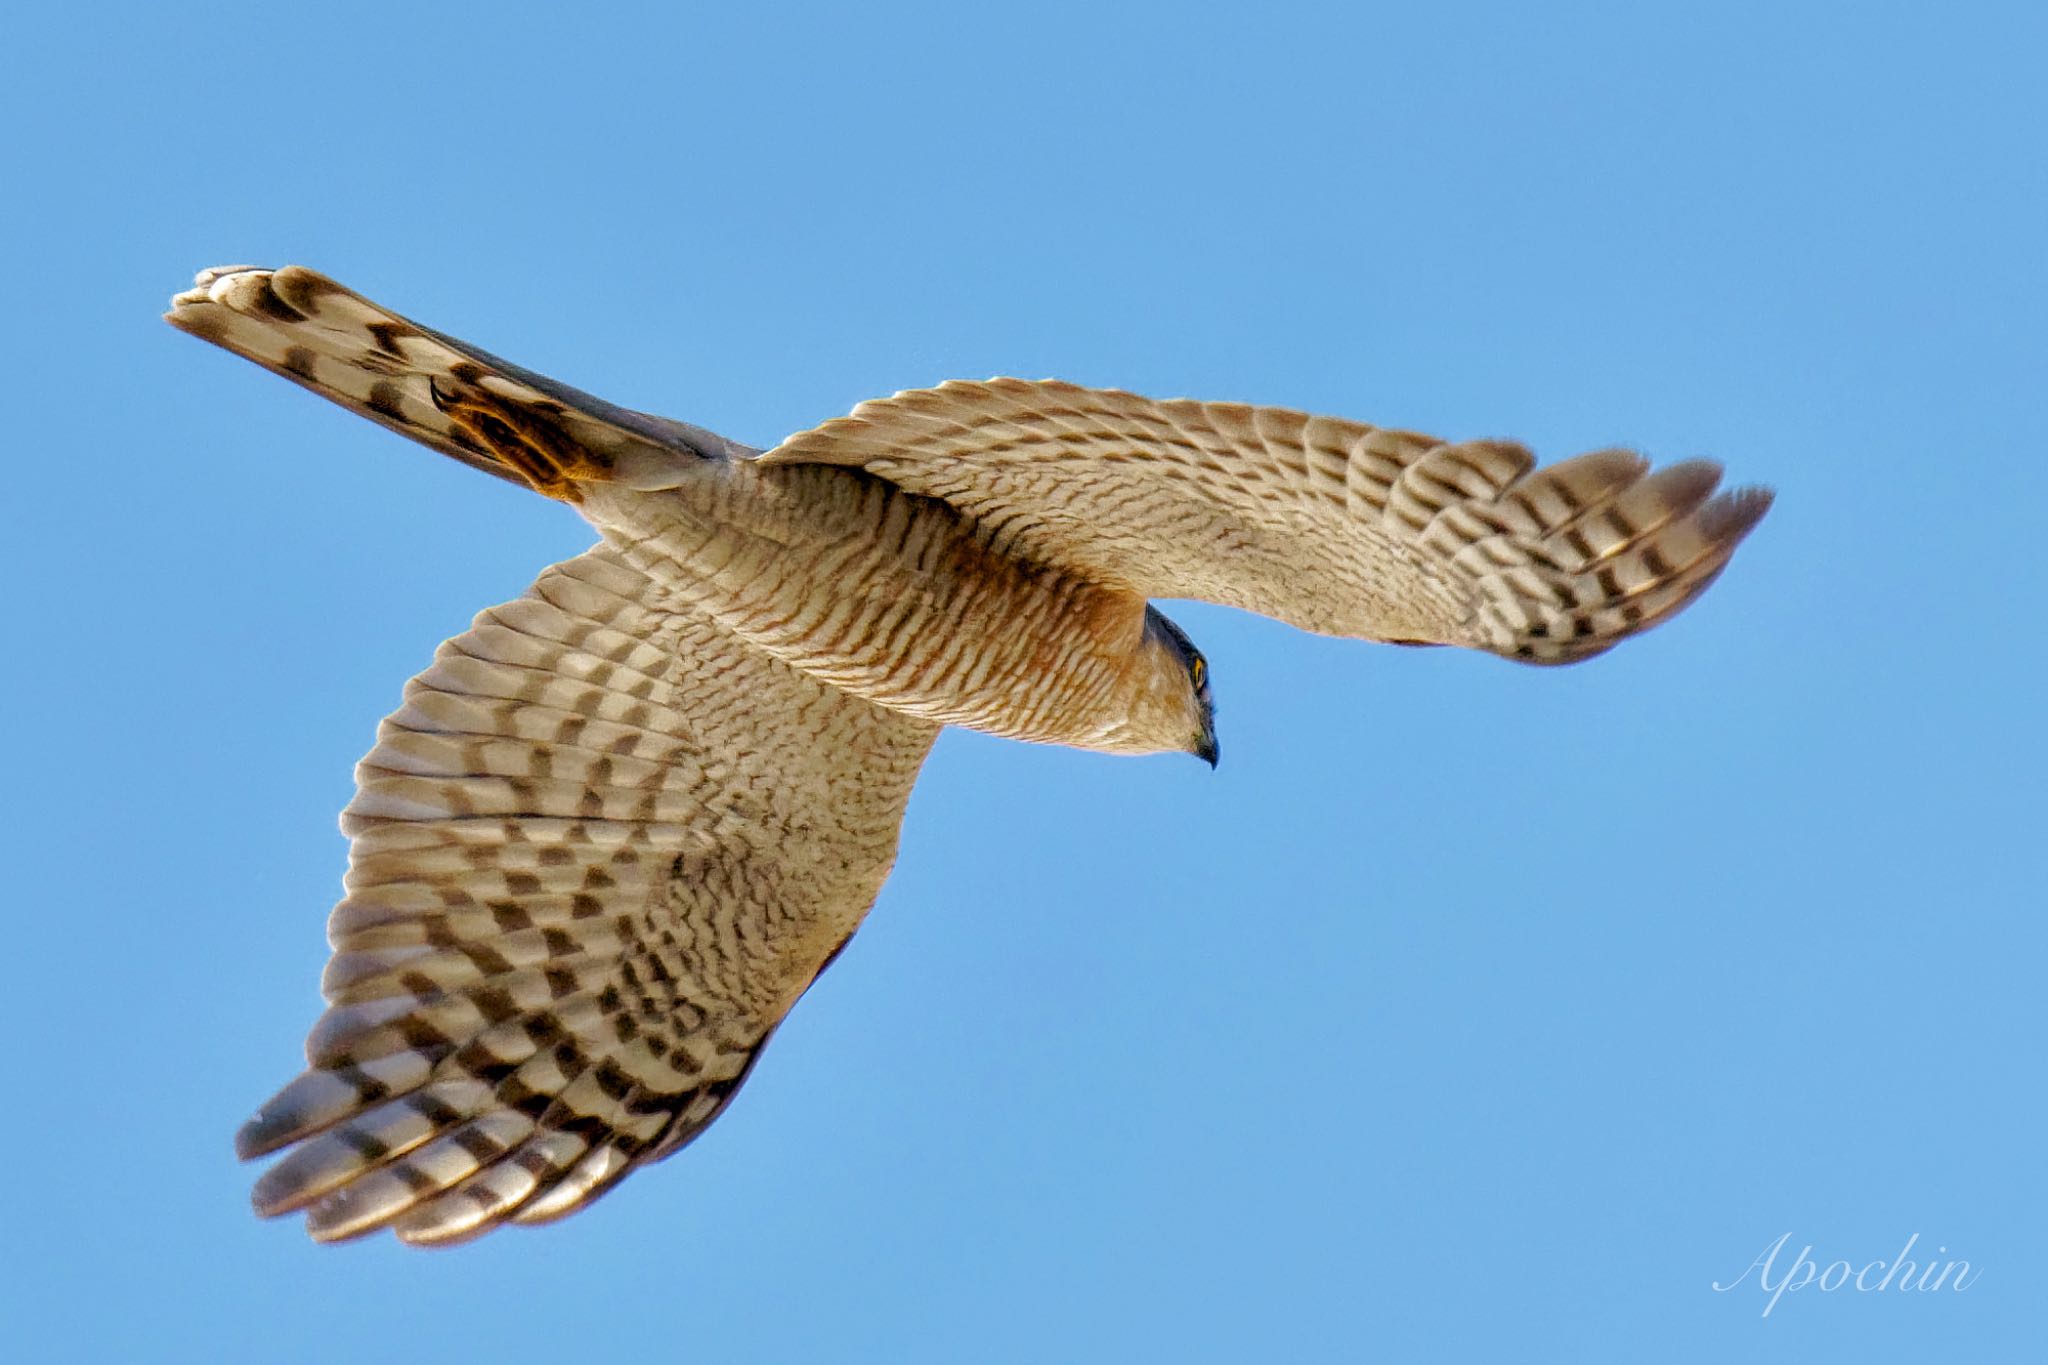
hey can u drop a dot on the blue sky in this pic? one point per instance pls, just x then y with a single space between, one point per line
1469 1012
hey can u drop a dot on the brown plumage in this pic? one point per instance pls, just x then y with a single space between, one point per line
622 823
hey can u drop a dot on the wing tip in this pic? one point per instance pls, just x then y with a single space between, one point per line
259 1136
1664 568
1735 512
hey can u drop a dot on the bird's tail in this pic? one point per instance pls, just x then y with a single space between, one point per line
463 401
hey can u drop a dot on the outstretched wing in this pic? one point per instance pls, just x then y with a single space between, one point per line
598 853
1331 525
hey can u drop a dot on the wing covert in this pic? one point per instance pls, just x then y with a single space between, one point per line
1334 526
598 853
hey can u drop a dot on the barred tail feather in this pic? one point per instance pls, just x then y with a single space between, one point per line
299 324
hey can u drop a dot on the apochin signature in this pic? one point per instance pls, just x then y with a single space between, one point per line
1897 1274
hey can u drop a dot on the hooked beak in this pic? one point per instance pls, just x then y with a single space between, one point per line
1205 747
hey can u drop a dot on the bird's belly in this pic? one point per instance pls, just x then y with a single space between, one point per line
897 601
1025 658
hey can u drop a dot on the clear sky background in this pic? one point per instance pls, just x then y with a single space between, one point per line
1469 1012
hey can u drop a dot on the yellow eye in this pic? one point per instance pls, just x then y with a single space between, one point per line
1199 670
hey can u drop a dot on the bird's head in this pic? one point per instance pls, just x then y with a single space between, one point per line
1179 692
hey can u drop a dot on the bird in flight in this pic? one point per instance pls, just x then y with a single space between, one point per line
619 826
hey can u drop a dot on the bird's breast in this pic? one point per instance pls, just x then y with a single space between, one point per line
887 595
